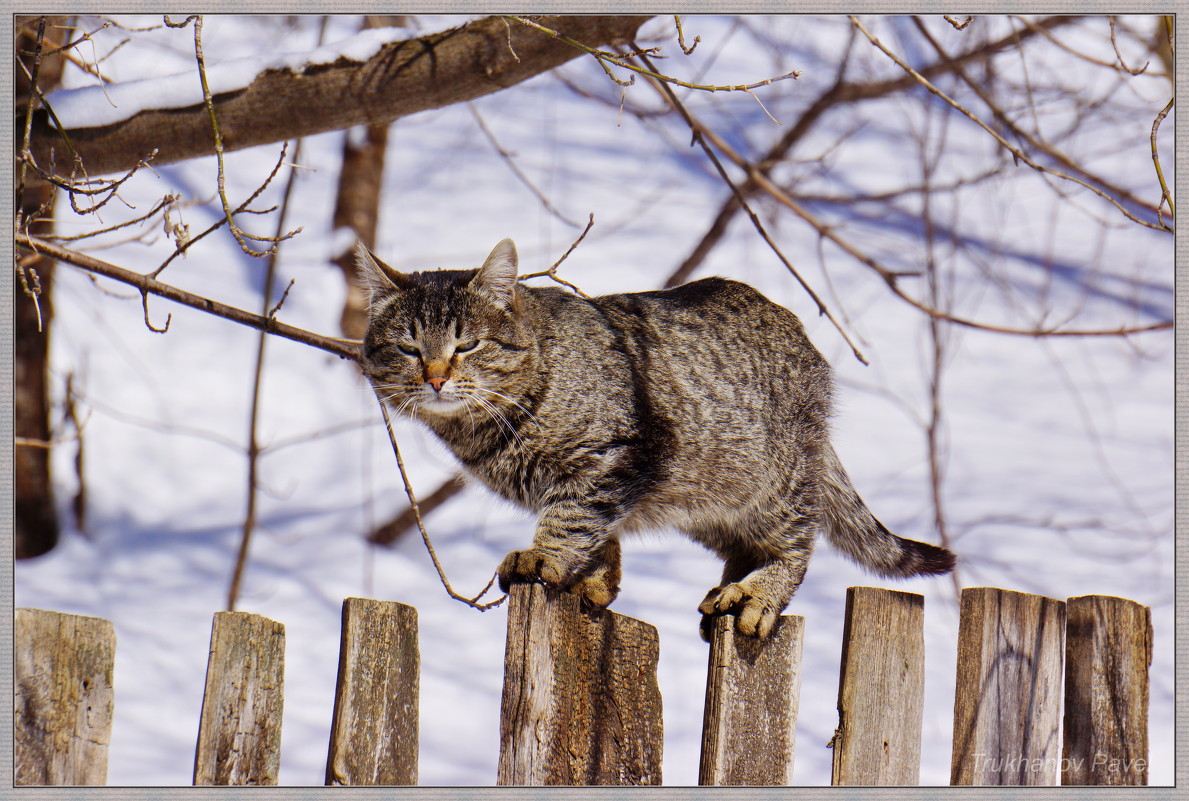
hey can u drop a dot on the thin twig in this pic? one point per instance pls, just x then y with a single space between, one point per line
240 235
681 38
78 503
1166 195
241 209
29 280
698 130
74 185
938 340
1123 64
391 531
162 204
552 271
144 302
891 277
1033 141
33 93
1018 154
508 160
144 29
508 40
404 475
1061 45
605 57
253 452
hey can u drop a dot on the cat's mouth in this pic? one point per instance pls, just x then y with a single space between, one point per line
442 404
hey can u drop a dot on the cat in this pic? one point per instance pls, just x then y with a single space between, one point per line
704 407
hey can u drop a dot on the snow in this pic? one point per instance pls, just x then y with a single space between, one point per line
107 104
1057 452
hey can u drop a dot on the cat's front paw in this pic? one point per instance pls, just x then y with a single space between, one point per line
596 589
755 616
527 567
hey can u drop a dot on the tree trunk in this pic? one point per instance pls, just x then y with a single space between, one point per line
357 205
35 525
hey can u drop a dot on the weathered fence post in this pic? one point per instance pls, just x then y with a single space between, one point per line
752 687
239 733
373 737
1108 650
581 704
1007 708
63 693
881 689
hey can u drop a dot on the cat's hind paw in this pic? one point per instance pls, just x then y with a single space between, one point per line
595 590
754 615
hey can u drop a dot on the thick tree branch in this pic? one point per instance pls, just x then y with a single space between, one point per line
405 77
345 348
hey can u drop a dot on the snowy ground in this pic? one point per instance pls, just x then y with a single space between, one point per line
1058 454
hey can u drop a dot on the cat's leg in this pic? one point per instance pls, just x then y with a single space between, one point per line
758 585
572 550
599 587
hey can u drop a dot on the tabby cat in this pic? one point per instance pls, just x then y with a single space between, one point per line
703 407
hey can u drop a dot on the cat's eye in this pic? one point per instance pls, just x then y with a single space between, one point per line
466 347
408 350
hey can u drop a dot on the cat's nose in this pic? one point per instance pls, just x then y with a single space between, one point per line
437 374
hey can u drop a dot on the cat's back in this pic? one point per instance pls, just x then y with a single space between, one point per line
712 318
698 350
705 303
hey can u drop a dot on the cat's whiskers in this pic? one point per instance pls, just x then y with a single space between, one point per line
470 415
396 395
498 417
504 397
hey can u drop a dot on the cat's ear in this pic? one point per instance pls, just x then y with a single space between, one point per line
376 276
497 277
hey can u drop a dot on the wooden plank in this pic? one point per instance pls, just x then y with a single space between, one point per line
373 736
881 689
1007 708
752 687
62 674
581 704
239 733
1108 651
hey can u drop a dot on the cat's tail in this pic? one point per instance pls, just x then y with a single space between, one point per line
853 530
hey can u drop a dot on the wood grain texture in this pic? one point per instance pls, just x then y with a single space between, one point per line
881 689
63 697
581 704
239 732
1007 708
373 736
1108 651
750 717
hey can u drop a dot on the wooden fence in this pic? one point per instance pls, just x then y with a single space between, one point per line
1048 692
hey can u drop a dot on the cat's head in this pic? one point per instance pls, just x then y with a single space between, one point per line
446 343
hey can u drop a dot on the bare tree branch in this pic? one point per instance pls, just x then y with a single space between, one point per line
839 95
405 77
698 130
344 348
1015 151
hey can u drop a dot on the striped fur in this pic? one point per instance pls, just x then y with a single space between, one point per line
703 408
